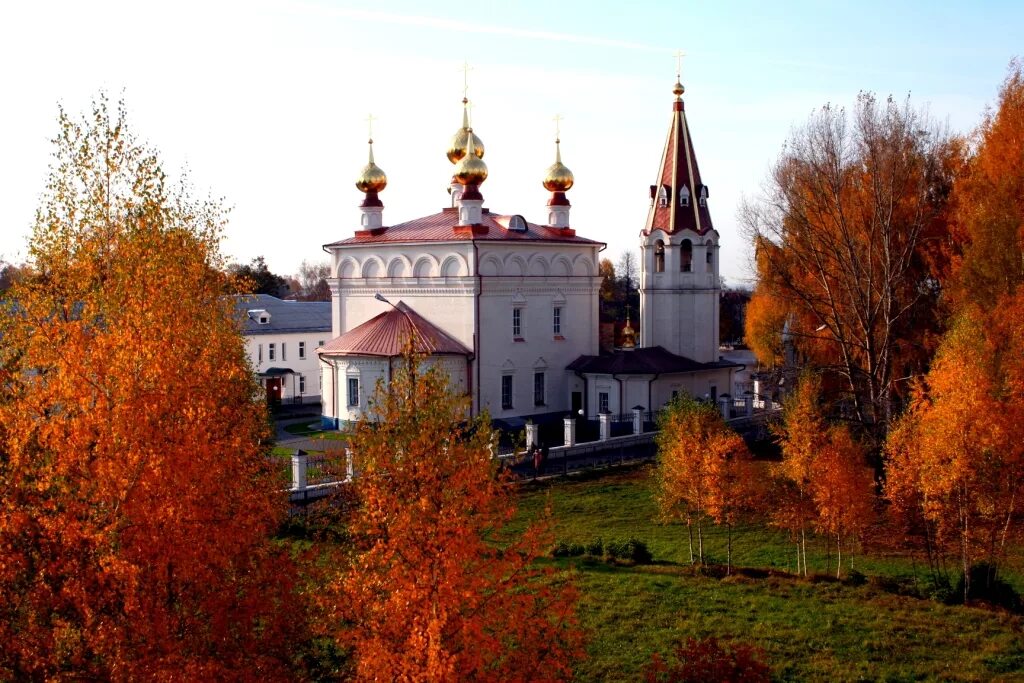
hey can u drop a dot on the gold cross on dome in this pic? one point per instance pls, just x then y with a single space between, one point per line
369 125
679 63
558 126
466 68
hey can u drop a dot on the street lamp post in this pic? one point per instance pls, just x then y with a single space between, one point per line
412 347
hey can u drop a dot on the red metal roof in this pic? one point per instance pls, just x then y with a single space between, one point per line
386 333
678 168
444 227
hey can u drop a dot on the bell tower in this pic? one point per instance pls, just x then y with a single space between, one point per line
679 281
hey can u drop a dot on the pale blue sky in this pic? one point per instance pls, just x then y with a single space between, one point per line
265 101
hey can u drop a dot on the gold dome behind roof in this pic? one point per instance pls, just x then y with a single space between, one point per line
470 170
460 141
558 177
372 178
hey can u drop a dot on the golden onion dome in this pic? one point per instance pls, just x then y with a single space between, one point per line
471 169
558 177
678 89
460 141
372 178
628 335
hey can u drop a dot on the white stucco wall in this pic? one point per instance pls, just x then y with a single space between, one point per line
470 292
308 366
371 371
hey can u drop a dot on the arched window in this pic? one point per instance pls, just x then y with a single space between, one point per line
703 195
663 196
684 196
686 256
659 257
710 247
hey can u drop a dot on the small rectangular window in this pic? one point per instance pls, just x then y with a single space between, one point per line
353 392
506 392
320 344
517 323
556 320
302 350
284 351
302 384
538 388
271 351
259 353
602 401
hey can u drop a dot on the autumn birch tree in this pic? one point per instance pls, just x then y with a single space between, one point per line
802 436
137 495
843 237
437 589
703 470
955 458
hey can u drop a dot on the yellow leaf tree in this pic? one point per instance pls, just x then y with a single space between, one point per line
437 588
137 495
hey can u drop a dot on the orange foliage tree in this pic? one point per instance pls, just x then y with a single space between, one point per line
437 588
802 436
137 495
989 198
844 240
843 491
704 470
954 461
823 479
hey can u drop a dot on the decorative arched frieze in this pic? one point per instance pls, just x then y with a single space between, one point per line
538 266
561 267
399 267
581 265
372 267
426 266
454 266
490 266
348 269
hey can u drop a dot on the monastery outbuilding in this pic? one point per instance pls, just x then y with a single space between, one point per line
509 308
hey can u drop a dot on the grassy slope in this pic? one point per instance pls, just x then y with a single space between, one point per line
807 630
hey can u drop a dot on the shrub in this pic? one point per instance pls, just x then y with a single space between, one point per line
986 586
708 660
595 547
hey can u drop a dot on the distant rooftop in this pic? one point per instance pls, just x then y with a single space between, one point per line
265 314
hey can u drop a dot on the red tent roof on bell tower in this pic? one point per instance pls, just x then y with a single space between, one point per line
678 170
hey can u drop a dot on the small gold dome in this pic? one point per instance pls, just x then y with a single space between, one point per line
372 178
460 141
628 335
558 177
678 89
470 170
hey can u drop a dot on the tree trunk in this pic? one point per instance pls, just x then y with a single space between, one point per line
839 555
689 532
700 542
803 548
728 552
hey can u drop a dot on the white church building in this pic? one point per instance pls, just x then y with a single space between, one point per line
509 307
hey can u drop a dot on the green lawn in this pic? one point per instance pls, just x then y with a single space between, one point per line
807 629
312 429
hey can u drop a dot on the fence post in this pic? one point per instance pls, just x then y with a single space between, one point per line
570 430
299 470
748 403
350 467
605 420
723 405
532 431
638 419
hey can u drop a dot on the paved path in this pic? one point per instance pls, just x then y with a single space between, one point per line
293 442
